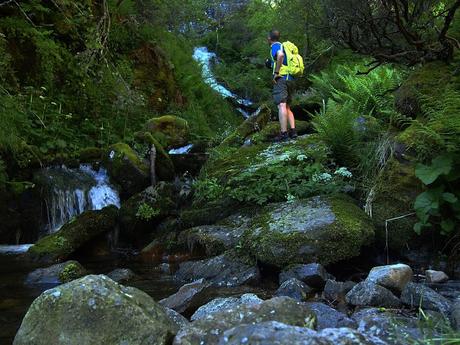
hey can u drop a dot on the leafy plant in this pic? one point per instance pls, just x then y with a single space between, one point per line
146 212
439 205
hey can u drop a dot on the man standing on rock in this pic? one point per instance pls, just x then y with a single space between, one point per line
283 86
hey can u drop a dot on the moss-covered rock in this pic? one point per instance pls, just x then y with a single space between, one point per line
95 310
56 274
164 167
90 154
251 125
169 130
320 229
272 129
140 213
394 196
73 235
127 169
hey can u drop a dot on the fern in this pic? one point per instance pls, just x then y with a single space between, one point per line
336 126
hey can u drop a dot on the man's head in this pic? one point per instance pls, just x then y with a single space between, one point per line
273 36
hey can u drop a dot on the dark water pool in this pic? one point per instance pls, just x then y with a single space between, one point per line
16 297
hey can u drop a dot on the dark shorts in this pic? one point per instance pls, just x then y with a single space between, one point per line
283 91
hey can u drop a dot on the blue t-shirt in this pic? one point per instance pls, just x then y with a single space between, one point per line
274 50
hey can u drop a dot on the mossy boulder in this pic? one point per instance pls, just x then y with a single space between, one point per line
95 310
171 131
164 167
251 125
127 169
56 274
394 196
320 229
272 129
73 235
90 154
140 213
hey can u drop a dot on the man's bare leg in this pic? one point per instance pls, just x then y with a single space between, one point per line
290 117
283 116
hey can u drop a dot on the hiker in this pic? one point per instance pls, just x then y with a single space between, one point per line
287 64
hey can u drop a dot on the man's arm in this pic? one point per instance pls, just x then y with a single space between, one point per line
279 61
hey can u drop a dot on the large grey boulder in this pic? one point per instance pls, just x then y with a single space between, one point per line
295 289
314 275
320 229
277 333
187 297
327 317
56 274
418 295
224 303
95 310
211 328
367 293
219 271
393 277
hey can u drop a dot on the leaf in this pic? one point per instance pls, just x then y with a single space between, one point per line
447 226
450 198
428 200
418 227
441 165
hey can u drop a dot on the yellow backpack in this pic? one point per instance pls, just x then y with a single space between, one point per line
294 59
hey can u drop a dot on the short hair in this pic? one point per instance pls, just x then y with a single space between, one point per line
274 35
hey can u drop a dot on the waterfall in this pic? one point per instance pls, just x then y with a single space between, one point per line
70 192
204 57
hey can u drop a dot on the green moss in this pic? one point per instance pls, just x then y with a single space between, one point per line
324 230
164 165
71 271
273 128
59 245
169 130
90 154
395 195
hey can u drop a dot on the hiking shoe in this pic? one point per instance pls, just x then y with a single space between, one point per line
283 136
293 133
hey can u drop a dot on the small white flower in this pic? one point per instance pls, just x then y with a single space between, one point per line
41 97
290 198
301 158
53 103
323 177
344 172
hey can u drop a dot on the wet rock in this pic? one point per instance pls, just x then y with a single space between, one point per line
179 320
314 275
73 235
214 239
436 276
273 332
77 313
145 210
327 317
393 277
320 229
224 303
127 169
211 328
367 293
294 289
169 130
455 314
335 291
269 332
186 297
223 270
56 274
390 328
122 275
418 295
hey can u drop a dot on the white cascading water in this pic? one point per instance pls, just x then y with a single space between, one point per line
70 192
205 57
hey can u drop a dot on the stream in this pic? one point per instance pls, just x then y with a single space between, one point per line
69 192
